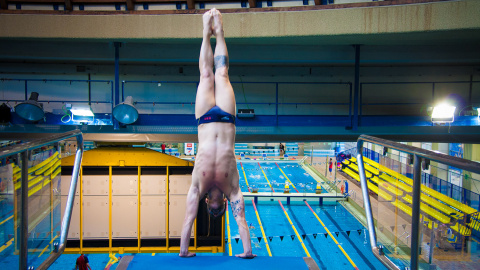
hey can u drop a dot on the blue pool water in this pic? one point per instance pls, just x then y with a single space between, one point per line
257 174
343 226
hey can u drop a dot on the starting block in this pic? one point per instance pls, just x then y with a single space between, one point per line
318 190
287 188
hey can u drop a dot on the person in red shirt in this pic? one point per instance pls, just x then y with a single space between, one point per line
82 263
330 166
163 148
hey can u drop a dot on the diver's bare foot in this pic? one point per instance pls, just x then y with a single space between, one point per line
208 23
217 22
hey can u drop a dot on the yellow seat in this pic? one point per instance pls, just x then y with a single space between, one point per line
433 193
387 186
352 174
465 231
355 168
396 183
429 210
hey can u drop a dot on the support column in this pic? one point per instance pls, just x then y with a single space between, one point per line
356 90
24 214
117 46
467 176
416 213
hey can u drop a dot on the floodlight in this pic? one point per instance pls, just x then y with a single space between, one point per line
443 113
30 110
83 114
125 112
82 111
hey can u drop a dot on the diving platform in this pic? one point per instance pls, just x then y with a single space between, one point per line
217 262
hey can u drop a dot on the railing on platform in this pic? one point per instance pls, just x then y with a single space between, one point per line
437 178
39 176
434 223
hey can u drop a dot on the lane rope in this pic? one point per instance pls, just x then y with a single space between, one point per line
265 177
294 229
335 240
229 235
287 177
261 228
245 176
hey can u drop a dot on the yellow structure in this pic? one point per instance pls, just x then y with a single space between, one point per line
130 199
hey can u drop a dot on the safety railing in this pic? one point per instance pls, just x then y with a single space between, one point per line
22 153
415 235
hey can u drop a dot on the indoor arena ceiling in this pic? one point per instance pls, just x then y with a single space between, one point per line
452 47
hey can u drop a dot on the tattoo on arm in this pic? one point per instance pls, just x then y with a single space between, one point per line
221 61
236 208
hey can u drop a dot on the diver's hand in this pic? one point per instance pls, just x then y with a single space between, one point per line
246 255
187 255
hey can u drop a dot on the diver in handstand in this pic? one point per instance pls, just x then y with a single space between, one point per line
215 172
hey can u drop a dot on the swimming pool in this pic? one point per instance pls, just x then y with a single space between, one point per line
283 240
271 176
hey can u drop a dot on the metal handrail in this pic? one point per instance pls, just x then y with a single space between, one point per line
418 154
24 149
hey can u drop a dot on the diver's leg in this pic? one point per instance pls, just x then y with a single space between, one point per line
224 96
205 99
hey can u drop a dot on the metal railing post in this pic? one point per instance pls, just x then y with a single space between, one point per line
24 214
416 212
366 197
68 207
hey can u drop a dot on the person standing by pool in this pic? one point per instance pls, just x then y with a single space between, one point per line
82 263
215 172
163 147
330 166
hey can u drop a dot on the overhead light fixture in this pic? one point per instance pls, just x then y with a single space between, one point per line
83 114
125 112
31 109
82 111
443 113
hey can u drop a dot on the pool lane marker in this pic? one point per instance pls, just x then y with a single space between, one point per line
287 177
229 235
335 240
244 175
293 227
261 228
265 176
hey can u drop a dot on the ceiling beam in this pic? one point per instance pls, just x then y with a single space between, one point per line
130 5
191 4
3 4
68 5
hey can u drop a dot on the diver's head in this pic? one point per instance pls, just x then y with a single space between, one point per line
216 202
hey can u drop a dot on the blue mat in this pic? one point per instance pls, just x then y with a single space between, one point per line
216 262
